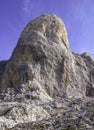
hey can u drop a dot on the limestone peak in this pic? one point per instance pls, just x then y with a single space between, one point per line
44 85
50 25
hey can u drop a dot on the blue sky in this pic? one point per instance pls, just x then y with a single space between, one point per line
78 16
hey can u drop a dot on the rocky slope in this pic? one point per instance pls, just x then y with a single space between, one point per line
44 85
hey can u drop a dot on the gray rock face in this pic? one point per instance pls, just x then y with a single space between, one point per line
2 68
44 85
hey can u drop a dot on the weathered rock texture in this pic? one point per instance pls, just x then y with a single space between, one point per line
44 85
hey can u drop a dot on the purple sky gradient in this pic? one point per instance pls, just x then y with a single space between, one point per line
78 16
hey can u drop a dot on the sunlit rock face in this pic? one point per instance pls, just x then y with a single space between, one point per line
44 82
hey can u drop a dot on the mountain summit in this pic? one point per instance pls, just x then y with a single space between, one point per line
44 85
